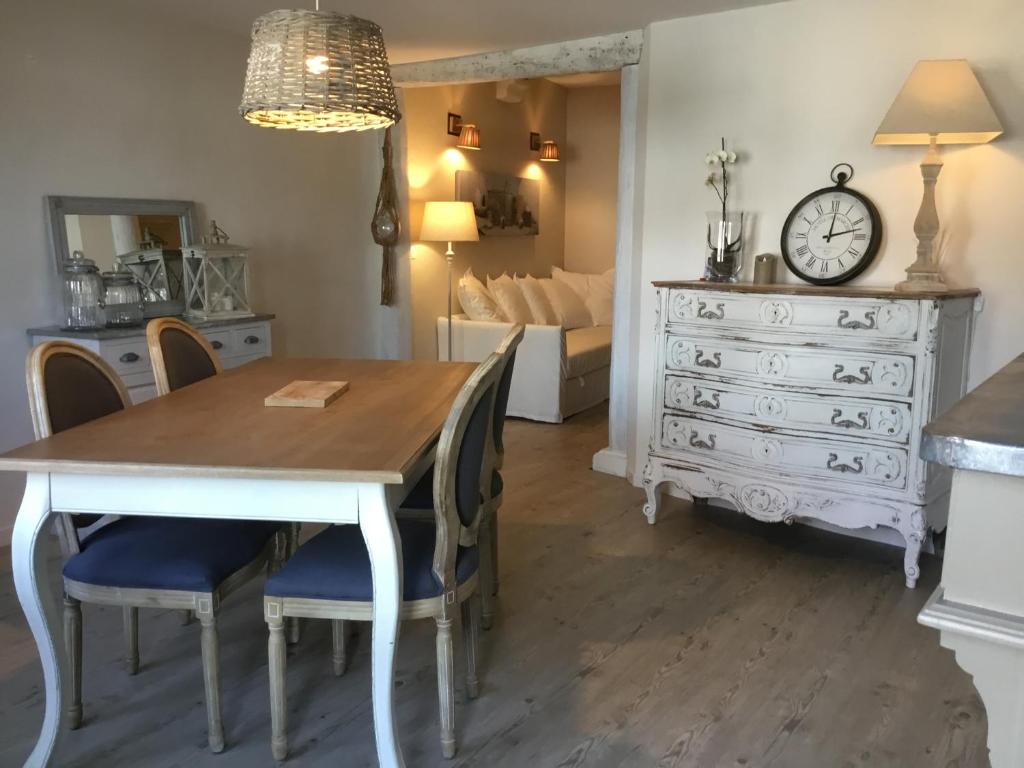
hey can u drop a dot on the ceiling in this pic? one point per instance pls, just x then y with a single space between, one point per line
419 30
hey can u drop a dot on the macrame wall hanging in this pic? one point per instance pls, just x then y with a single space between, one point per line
386 226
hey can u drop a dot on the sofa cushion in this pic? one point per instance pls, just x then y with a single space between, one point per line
587 350
510 299
568 306
540 307
477 301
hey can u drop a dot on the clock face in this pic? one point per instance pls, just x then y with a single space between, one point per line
831 236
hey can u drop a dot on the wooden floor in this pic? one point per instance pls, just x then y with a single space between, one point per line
707 640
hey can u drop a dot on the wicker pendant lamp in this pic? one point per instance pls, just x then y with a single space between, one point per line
318 71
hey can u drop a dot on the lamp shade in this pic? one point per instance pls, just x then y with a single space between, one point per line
449 222
318 71
549 152
941 98
469 137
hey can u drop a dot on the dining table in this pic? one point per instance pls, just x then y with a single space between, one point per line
214 450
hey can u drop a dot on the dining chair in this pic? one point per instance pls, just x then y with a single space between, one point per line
180 355
139 562
420 500
330 576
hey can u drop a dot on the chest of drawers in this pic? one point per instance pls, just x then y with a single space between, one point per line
799 402
237 341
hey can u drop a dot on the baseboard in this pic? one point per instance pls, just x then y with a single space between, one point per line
610 462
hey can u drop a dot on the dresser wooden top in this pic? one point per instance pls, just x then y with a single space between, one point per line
376 432
799 289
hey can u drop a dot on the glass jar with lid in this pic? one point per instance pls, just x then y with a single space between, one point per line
122 299
83 294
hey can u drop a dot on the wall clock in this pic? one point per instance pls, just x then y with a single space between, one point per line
833 234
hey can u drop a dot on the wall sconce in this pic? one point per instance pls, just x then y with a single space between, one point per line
469 137
549 152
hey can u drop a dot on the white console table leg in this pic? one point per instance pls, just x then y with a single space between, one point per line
31 581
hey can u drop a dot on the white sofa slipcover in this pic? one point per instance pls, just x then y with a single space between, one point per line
558 373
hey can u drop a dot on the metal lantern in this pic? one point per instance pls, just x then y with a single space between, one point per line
160 273
216 278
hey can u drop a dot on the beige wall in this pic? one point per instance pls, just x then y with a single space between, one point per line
803 85
432 163
97 103
591 178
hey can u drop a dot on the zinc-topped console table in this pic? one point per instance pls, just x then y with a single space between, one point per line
979 606
795 401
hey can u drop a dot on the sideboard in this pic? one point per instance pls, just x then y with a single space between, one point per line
237 341
798 402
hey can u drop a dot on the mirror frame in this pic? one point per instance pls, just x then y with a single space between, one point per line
59 206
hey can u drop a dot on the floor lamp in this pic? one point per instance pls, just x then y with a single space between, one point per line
451 223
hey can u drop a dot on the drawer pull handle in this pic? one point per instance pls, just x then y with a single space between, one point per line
713 403
857 325
834 464
714 362
710 314
130 357
252 339
217 344
840 375
860 423
696 442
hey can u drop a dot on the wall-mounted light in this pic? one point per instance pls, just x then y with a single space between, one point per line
469 137
549 152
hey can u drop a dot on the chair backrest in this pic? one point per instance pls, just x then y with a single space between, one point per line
459 467
180 355
68 385
507 351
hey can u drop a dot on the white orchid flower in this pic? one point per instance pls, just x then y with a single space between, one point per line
732 157
723 155
709 159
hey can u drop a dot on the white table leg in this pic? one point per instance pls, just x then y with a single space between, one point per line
28 556
377 522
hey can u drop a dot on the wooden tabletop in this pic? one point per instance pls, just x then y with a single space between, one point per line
392 413
804 289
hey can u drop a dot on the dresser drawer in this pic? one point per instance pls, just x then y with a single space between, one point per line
221 342
854 317
129 357
851 417
251 341
830 460
837 370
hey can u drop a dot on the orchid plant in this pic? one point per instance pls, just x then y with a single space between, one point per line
718 178
725 234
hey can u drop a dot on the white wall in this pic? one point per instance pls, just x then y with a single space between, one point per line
799 86
505 148
100 99
591 157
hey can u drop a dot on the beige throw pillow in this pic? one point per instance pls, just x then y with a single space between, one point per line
476 301
578 281
569 307
510 299
537 300
599 300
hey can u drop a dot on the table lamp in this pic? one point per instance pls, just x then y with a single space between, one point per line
940 103
452 223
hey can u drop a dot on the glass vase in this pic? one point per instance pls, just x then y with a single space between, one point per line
724 247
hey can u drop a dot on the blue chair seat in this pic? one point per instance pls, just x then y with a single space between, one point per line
168 553
334 565
422 495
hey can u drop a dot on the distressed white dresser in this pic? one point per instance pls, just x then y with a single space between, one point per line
794 402
237 341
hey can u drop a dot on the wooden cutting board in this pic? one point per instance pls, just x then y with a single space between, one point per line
307 394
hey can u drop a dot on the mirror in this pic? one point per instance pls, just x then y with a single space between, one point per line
143 237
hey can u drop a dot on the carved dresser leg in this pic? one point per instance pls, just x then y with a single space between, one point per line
652 481
912 527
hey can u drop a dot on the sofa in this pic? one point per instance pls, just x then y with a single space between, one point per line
558 373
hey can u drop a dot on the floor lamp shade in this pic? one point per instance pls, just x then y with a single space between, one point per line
318 71
452 222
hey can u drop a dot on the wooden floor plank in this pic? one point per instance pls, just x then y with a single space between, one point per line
706 640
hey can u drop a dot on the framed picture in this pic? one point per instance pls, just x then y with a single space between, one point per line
534 142
454 124
505 206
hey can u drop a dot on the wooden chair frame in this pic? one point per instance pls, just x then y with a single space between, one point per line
442 608
156 351
205 604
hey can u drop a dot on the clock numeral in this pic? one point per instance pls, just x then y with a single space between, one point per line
818 208
858 221
860 236
824 267
849 210
800 235
809 222
810 262
802 250
841 265
835 206
853 252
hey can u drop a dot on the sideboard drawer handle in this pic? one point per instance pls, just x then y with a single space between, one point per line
833 463
839 375
710 314
130 357
868 323
860 423
217 344
714 362
696 442
714 403
252 339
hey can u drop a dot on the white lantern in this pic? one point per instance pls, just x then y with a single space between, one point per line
216 278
